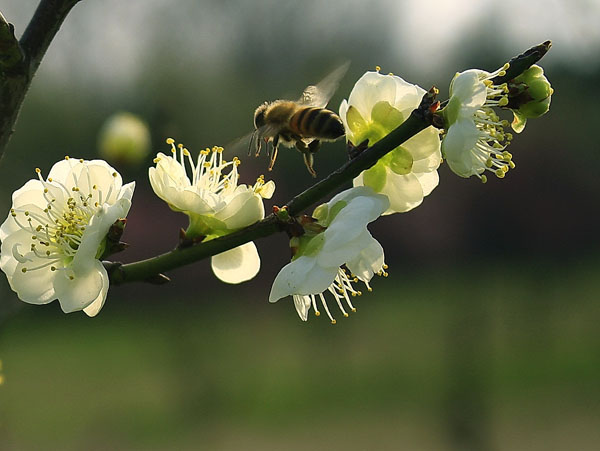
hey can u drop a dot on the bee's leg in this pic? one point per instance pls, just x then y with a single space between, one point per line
314 146
308 156
274 152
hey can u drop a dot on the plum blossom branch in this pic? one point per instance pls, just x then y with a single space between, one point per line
151 269
20 59
148 269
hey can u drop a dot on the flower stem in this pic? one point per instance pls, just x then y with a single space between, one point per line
146 270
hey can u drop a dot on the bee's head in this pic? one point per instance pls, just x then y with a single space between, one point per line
259 115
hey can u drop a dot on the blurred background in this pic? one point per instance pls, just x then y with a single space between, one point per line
484 336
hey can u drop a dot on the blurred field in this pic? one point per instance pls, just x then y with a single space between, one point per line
423 364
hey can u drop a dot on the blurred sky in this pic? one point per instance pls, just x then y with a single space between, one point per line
111 40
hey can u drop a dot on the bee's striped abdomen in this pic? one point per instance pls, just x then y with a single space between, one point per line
317 123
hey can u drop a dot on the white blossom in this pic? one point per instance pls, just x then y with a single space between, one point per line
377 105
342 254
207 190
56 232
475 141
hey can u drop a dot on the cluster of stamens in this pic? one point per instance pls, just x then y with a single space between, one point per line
207 171
342 290
56 230
490 148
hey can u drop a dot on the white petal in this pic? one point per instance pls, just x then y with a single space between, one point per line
351 221
95 232
61 170
302 304
78 293
404 191
243 209
94 308
369 261
428 181
424 143
408 96
34 286
461 137
19 241
371 88
302 276
337 256
467 87
237 265
343 111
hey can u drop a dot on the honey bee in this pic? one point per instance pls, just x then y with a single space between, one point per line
303 123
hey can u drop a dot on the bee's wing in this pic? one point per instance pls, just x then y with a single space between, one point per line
318 95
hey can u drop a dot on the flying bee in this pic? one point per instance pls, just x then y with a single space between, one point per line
303 123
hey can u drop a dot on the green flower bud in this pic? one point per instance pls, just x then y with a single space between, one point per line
124 138
529 96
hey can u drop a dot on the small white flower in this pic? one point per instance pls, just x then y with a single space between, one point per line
334 259
207 191
376 106
475 141
55 233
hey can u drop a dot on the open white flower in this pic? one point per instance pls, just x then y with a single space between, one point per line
475 141
376 106
207 191
344 253
56 232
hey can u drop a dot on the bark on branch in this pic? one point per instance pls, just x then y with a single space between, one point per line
19 60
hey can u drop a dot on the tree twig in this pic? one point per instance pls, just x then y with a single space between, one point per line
146 269
20 60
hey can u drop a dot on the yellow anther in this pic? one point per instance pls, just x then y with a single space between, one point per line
81 160
502 73
114 174
333 321
370 289
391 73
488 163
353 310
49 179
186 152
52 268
507 155
170 141
66 157
483 179
359 293
346 315
509 136
317 313
504 168
45 190
503 101
511 164
180 146
377 68
385 266
488 83
38 170
500 173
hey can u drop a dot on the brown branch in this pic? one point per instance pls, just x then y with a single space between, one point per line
20 60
